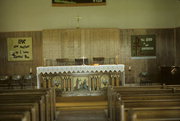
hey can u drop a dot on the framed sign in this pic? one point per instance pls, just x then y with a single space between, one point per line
19 49
78 2
143 45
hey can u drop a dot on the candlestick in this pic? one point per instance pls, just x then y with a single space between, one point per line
116 59
83 60
30 70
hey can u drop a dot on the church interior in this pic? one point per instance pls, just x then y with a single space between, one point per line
90 60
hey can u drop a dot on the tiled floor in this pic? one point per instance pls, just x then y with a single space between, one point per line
83 115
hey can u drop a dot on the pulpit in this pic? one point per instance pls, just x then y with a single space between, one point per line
81 79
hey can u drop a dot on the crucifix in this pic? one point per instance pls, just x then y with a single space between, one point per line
78 18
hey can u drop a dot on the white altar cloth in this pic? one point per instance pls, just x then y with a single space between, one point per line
80 69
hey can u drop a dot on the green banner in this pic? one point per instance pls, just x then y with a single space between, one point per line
143 45
19 49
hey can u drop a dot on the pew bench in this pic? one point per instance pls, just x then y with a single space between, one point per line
18 108
15 116
122 108
50 97
39 101
133 97
153 114
44 101
32 107
44 98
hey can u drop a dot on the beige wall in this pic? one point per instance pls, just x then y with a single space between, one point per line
27 15
178 13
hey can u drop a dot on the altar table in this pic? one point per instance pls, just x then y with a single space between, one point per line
120 68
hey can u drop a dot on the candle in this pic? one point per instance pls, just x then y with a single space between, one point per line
116 59
30 70
83 60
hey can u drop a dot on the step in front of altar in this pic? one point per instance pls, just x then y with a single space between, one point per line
81 103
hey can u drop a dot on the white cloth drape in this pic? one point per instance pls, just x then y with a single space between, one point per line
79 69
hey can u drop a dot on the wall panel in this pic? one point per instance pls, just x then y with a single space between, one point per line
164 54
177 46
20 67
109 43
76 43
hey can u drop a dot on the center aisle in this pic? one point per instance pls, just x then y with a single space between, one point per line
83 115
82 108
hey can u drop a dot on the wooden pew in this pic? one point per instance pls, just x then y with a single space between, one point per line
39 100
140 90
45 98
126 92
154 114
32 107
124 107
15 116
20 108
50 96
41 96
163 86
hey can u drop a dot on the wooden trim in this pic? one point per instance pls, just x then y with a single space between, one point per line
19 31
89 28
80 29
175 39
79 4
144 28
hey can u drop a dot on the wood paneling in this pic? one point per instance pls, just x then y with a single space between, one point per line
108 43
177 47
164 53
20 67
76 43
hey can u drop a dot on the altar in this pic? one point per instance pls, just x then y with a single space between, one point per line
74 80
